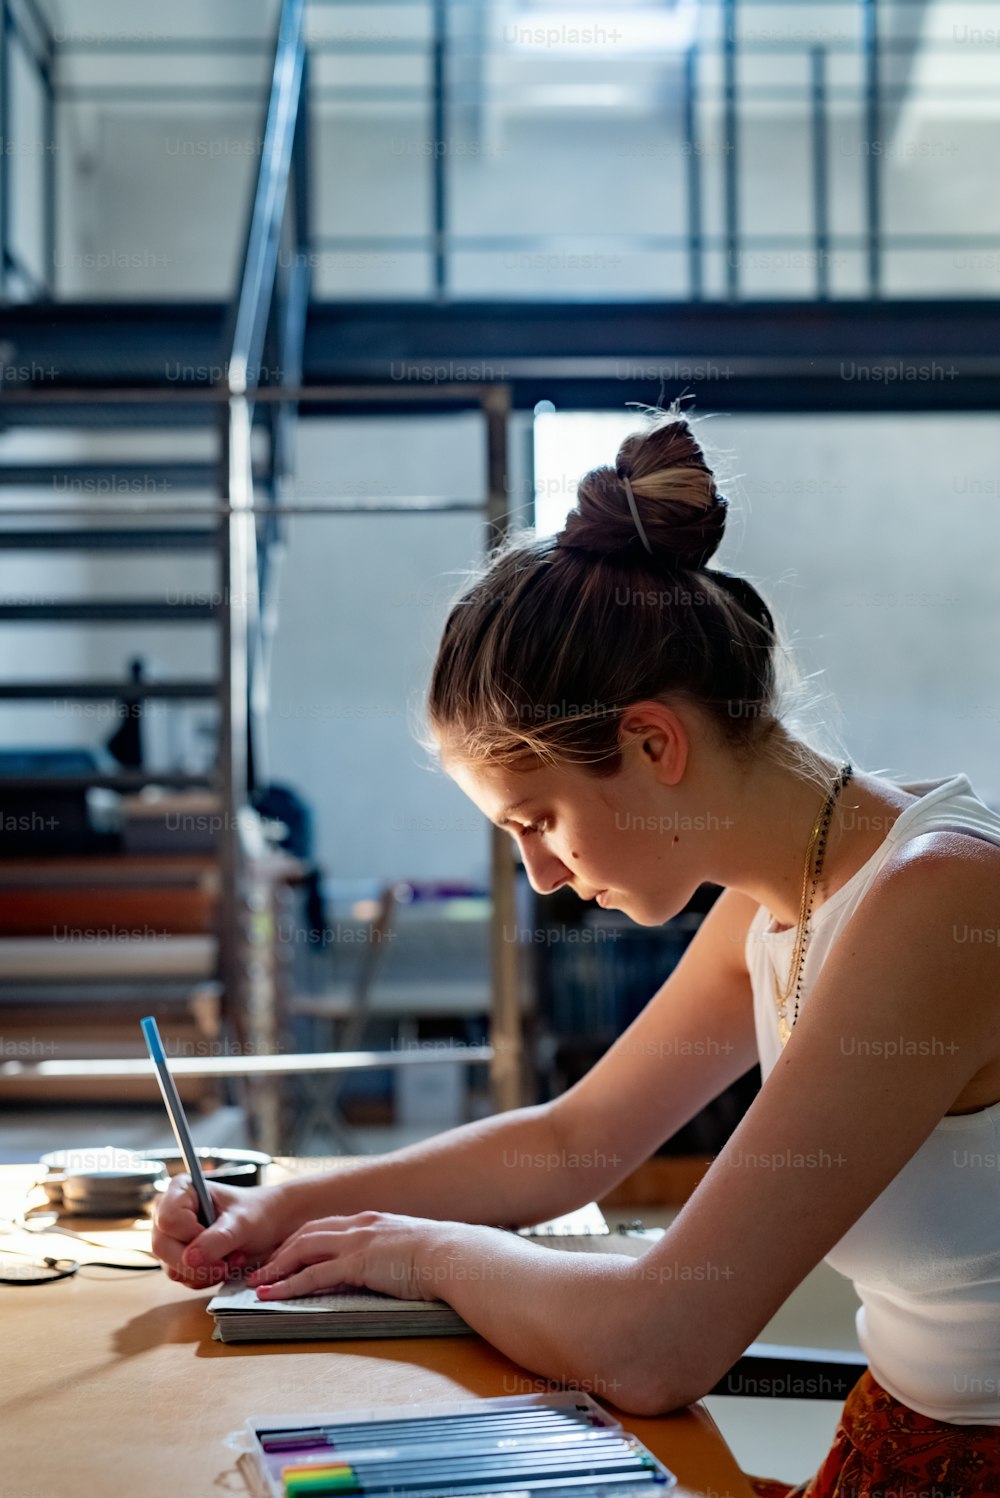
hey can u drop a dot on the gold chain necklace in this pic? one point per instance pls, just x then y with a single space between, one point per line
817 837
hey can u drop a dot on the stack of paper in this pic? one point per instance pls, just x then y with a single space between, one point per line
241 1317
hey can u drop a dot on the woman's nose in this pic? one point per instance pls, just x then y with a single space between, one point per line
546 873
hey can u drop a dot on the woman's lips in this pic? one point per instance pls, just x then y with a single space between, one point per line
599 897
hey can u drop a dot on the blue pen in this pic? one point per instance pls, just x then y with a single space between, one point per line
178 1121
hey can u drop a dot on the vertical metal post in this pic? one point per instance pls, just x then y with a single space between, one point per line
820 182
873 155
232 768
730 165
5 157
49 185
527 513
302 168
474 71
506 1080
695 241
439 170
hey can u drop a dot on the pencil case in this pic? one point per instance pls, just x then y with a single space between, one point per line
525 1445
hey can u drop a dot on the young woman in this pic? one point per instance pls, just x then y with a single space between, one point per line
614 703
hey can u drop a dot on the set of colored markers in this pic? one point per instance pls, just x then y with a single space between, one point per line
528 1444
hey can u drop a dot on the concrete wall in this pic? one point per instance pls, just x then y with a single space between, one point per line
877 538
158 215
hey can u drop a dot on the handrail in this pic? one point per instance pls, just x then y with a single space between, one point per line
245 653
278 1064
260 257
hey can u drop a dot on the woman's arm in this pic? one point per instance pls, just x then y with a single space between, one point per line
692 1040
832 1126
470 1172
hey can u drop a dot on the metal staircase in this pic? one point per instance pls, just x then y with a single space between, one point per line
75 371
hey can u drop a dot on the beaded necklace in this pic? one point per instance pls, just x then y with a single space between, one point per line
817 841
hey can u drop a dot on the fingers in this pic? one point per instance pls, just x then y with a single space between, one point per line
175 1229
328 1225
175 1223
311 1280
342 1253
304 1248
300 1250
316 1250
217 1242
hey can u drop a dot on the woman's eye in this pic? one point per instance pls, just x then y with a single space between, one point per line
538 826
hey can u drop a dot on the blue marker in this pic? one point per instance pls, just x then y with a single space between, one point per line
178 1122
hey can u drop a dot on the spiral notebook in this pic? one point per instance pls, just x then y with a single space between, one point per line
241 1317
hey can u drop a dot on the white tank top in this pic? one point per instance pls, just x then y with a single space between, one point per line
925 1257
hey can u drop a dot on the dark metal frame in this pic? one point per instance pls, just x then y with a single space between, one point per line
23 24
873 115
755 356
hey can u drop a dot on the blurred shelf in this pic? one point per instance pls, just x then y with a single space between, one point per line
419 998
148 956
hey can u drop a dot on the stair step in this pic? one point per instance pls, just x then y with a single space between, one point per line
112 477
134 342
111 991
31 957
141 409
114 780
110 611
104 871
115 538
95 691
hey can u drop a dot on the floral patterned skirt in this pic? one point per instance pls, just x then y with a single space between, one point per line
883 1449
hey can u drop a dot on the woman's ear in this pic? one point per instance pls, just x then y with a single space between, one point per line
661 736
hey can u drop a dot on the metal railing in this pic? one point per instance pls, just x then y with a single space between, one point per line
858 73
266 303
25 30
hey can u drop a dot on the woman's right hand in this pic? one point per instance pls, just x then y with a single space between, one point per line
251 1221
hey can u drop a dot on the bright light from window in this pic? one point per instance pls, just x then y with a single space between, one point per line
584 95
611 31
567 445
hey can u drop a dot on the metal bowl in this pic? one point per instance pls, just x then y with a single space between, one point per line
103 1172
233 1167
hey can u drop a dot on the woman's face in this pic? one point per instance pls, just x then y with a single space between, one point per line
593 835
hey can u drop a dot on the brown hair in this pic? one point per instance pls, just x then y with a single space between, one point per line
543 652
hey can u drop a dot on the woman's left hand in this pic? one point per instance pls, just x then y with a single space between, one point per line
372 1250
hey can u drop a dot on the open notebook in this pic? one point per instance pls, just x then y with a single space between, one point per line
241 1317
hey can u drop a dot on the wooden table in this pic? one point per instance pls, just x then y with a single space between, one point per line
111 1385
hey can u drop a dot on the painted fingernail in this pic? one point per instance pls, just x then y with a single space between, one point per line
194 1257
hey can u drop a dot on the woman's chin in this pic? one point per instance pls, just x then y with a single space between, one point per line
620 900
644 915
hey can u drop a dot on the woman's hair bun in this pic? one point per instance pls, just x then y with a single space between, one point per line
682 513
